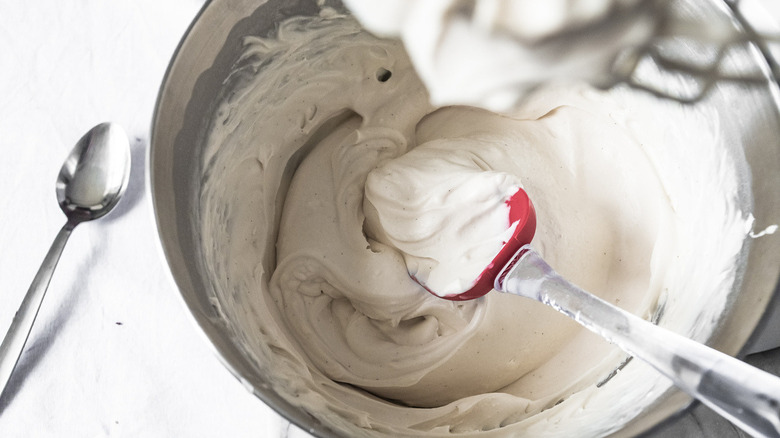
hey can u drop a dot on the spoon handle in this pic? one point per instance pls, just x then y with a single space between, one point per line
745 395
23 320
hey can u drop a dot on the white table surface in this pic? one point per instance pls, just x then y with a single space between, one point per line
113 352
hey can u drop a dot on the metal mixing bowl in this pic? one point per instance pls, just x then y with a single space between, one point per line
186 100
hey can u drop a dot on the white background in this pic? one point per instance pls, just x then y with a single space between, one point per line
113 352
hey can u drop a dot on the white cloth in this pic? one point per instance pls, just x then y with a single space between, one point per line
113 352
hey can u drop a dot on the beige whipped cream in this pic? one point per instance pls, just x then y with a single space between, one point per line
444 209
627 205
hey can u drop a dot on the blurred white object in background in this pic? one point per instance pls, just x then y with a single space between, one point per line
493 53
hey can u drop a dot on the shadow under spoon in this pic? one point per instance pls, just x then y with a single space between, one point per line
92 180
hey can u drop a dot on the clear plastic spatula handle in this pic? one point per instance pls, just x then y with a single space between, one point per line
745 395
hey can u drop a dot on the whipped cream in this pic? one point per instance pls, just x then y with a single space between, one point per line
627 205
443 209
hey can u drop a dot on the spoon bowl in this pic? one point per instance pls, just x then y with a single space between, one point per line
91 182
95 173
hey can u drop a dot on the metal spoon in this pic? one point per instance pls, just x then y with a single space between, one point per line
745 395
91 182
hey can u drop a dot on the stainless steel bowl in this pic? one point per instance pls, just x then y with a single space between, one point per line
187 98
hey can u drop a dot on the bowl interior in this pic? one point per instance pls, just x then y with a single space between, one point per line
749 119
